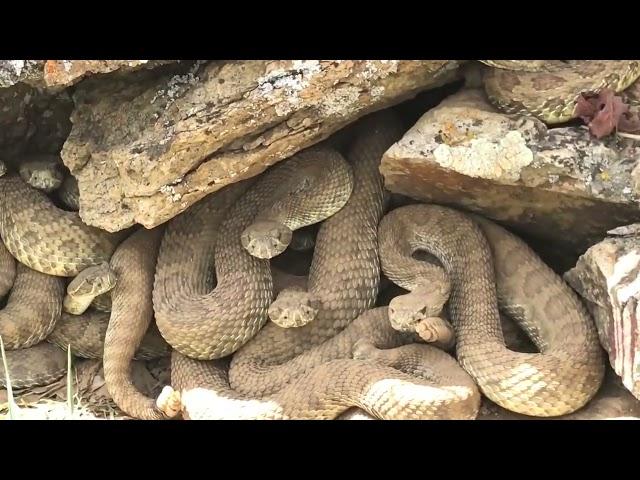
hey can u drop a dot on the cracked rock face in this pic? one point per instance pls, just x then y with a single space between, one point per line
64 73
145 151
557 184
32 121
607 276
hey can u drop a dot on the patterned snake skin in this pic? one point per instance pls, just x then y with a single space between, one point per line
203 322
549 90
368 365
568 370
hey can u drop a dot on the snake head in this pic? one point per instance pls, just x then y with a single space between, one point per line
42 172
406 311
93 281
293 308
266 239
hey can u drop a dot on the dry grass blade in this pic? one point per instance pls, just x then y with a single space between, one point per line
13 408
69 382
628 135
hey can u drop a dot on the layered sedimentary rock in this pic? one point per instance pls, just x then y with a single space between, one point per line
144 151
555 184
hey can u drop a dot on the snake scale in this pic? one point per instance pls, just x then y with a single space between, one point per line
46 238
367 365
263 367
204 322
55 244
488 266
324 368
549 90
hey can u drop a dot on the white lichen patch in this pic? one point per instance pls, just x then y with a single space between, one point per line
336 100
379 69
16 66
178 84
10 71
502 160
290 82
377 91
170 191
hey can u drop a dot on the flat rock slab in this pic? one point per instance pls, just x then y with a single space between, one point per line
607 277
555 184
144 151
64 73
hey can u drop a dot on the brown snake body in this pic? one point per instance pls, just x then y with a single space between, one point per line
131 315
550 90
46 238
204 322
367 365
344 274
487 267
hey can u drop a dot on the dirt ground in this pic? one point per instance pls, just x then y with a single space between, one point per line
91 400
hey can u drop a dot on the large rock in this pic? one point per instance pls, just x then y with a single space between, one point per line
555 184
143 152
34 109
607 276
13 72
64 73
32 120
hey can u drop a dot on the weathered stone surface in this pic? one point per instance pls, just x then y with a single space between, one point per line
21 71
554 184
63 73
607 276
32 120
143 152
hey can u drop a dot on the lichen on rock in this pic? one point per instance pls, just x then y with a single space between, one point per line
214 123
557 184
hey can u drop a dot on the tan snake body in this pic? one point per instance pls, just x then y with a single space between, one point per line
344 274
205 322
488 266
550 90
367 365
46 238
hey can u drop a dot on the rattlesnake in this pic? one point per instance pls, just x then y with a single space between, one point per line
322 369
33 313
86 334
32 310
44 172
549 90
46 238
561 379
206 323
569 368
131 315
25 228
344 274
49 243
368 365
